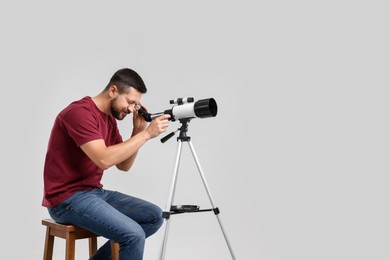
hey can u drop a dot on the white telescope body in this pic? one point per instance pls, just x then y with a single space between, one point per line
184 111
202 108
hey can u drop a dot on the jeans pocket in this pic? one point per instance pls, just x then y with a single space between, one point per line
56 213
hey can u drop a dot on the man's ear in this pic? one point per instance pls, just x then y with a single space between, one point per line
113 91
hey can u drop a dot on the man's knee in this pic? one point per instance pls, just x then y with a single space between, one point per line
135 236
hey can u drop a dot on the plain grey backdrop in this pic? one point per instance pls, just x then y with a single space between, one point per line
296 159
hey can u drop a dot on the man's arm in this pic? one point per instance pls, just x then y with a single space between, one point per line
123 154
128 163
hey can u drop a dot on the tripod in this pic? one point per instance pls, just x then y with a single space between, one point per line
170 209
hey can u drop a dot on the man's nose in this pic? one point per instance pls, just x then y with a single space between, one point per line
131 108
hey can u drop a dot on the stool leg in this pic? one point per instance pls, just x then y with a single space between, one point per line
92 245
70 246
49 242
114 251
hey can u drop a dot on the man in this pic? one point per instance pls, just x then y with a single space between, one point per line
84 142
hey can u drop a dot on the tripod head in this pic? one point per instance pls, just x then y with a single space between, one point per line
183 132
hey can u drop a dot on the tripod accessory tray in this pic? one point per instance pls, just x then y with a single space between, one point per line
179 209
184 209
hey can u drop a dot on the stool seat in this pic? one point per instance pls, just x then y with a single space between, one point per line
71 233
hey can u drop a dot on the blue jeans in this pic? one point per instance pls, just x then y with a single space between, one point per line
119 217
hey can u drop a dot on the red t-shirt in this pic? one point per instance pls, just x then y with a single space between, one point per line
67 168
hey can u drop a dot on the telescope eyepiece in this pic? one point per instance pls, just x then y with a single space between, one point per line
144 114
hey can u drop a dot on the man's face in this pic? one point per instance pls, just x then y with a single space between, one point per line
124 104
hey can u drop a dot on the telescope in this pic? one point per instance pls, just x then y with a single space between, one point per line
185 108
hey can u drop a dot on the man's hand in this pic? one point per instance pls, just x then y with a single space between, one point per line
139 123
158 126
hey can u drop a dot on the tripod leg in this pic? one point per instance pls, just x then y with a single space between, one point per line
166 213
216 211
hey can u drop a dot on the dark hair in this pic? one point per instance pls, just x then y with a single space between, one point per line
126 78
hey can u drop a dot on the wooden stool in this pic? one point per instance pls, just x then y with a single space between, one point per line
70 233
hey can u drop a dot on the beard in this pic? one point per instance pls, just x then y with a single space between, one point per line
117 113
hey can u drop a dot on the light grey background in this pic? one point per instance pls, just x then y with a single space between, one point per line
297 158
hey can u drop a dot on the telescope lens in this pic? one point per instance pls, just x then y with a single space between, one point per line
206 108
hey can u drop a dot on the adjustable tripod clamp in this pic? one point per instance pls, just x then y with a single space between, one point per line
183 132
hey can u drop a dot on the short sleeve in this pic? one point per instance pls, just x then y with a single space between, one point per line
81 125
